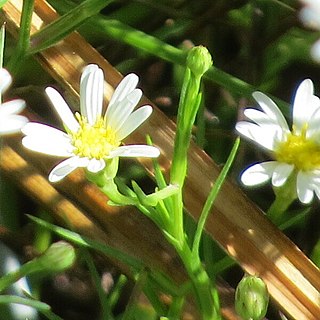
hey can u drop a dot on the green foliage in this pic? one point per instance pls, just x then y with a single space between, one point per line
255 45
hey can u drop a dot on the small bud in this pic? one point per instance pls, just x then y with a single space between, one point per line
57 258
252 298
199 60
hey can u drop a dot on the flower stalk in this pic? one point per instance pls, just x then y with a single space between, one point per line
57 258
24 37
205 291
285 195
198 62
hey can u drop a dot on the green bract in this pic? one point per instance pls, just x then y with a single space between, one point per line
57 258
252 298
199 60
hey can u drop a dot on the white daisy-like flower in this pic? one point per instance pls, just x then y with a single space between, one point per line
90 138
295 151
10 121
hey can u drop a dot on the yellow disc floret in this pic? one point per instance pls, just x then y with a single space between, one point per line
93 141
302 152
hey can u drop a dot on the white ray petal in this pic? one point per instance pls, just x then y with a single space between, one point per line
134 121
266 136
304 187
271 109
45 139
258 173
43 131
260 118
63 109
123 110
96 165
12 107
316 187
127 85
5 80
83 87
281 174
64 168
305 104
135 151
94 95
12 124
313 124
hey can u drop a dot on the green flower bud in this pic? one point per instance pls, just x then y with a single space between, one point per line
199 60
252 298
57 258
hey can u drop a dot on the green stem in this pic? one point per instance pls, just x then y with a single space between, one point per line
89 243
205 292
212 196
111 190
12 277
108 27
60 28
285 195
24 37
105 181
106 313
188 107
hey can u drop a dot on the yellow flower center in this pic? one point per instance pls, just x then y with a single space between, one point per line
93 141
302 152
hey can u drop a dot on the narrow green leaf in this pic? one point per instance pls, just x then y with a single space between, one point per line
88 243
212 196
60 28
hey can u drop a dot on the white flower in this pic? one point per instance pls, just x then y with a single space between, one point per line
10 122
91 139
295 151
310 16
310 13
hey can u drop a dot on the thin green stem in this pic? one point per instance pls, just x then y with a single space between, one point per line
212 196
111 190
8 279
188 107
104 302
64 25
285 195
23 44
89 243
113 297
205 292
201 126
108 27
105 181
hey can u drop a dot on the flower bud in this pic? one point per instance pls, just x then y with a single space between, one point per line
57 258
199 60
252 298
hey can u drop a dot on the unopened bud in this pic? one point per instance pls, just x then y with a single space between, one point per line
252 298
57 258
199 60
